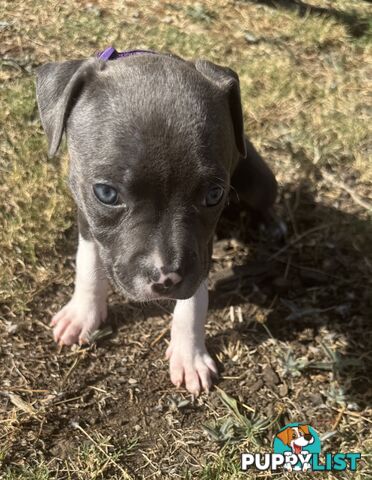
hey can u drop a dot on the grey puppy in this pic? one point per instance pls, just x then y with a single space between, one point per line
155 143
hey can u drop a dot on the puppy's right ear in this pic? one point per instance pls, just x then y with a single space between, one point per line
58 86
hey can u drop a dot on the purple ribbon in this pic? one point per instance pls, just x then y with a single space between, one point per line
111 54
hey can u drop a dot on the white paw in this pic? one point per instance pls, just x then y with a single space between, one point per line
192 366
76 321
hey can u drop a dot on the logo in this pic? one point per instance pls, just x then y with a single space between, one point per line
297 448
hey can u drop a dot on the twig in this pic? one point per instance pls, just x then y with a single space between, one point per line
357 199
292 218
310 269
28 390
288 266
338 418
70 370
18 402
61 402
159 337
125 473
297 239
352 414
191 455
42 324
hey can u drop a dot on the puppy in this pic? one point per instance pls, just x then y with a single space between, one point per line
154 142
296 438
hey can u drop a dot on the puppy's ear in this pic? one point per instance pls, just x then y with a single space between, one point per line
58 86
228 81
285 436
305 429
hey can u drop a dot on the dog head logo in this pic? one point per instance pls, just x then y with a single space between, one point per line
297 439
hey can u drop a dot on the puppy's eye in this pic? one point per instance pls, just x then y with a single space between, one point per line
105 194
214 196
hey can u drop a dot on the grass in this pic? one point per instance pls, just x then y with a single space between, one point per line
96 460
304 82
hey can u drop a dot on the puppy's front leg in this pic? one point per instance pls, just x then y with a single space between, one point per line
87 308
189 360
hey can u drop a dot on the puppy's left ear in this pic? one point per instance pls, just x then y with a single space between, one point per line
228 81
304 429
284 436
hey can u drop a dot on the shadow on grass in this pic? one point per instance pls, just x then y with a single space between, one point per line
320 278
358 26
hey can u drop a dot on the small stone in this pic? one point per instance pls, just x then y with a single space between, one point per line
256 386
11 327
250 38
269 376
283 390
132 381
315 399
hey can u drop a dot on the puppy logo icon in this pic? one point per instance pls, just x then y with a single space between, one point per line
297 448
297 441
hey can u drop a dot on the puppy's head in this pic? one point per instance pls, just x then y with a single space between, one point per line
153 141
296 437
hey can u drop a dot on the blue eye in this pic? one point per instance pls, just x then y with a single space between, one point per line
105 194
214 196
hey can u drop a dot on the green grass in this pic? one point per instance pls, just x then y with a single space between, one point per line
34 192
40 472
98 459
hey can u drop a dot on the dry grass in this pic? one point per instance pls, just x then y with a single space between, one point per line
295 341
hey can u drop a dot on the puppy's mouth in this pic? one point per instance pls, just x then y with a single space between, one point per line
297 449
137 287
142 292
148 295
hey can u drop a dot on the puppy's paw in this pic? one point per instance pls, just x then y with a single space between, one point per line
192 367
76 321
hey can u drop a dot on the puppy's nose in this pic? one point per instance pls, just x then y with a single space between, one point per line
308 436
166 281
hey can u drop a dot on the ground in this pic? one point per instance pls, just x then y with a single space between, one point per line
289 323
